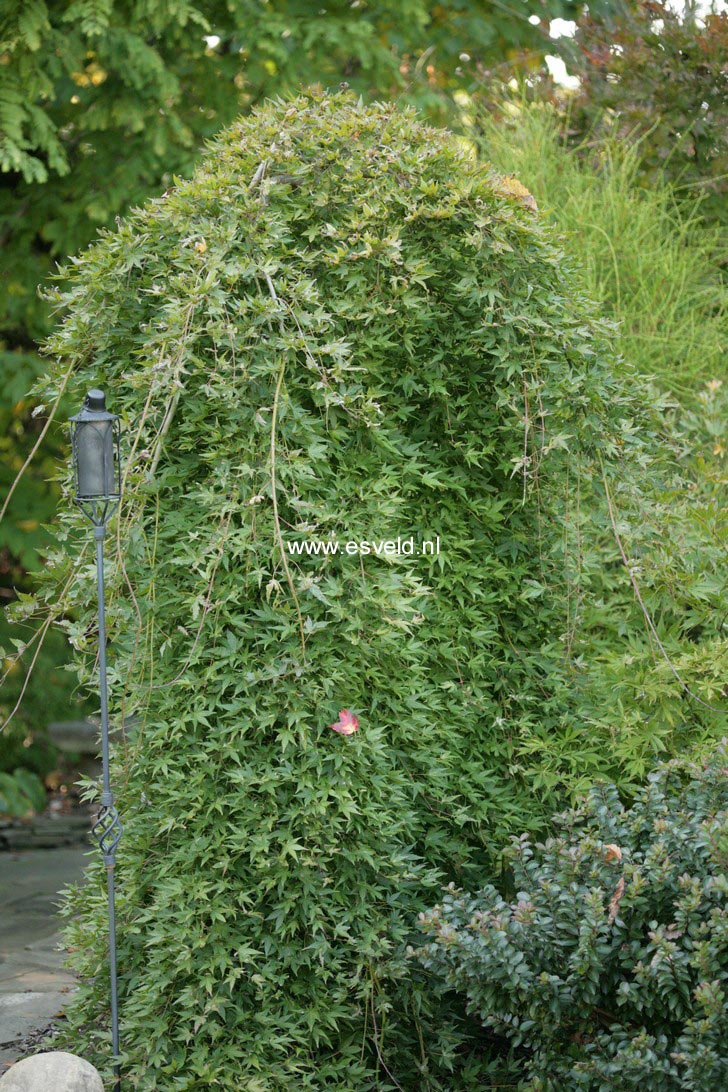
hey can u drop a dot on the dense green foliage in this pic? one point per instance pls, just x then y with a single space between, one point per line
609 967
121 61
655 273
103 102
342 327
79 82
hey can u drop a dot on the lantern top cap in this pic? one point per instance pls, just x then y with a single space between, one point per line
95 400
94 408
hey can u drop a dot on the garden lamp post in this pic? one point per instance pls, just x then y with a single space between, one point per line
97 487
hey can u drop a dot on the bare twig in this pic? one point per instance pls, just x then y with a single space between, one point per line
274 491
36 445
376 1038
258 176
43 631
276 519
205 608
164 429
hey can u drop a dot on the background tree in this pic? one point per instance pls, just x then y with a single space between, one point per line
655 76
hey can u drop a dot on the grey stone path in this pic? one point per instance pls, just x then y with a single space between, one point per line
34 985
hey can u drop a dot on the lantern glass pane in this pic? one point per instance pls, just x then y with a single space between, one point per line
94 442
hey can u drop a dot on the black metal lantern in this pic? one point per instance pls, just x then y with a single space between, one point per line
96 462
97 480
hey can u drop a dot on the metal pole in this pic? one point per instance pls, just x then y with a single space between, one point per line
107 827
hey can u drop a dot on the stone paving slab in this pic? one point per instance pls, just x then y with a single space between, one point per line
34 984
43 832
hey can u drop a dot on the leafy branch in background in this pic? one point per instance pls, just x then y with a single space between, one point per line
21 793
656 75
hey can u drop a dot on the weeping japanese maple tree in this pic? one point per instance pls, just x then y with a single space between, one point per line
341 330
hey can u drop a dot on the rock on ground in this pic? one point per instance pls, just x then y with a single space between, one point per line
58 1071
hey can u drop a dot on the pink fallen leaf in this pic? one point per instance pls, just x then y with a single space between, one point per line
347 724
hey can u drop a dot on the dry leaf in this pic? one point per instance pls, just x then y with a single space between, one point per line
614 853
615 900
347 724
511 187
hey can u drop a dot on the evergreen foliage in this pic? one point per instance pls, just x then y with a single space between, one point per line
609 967
342 327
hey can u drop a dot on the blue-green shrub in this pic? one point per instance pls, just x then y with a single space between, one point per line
608 967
